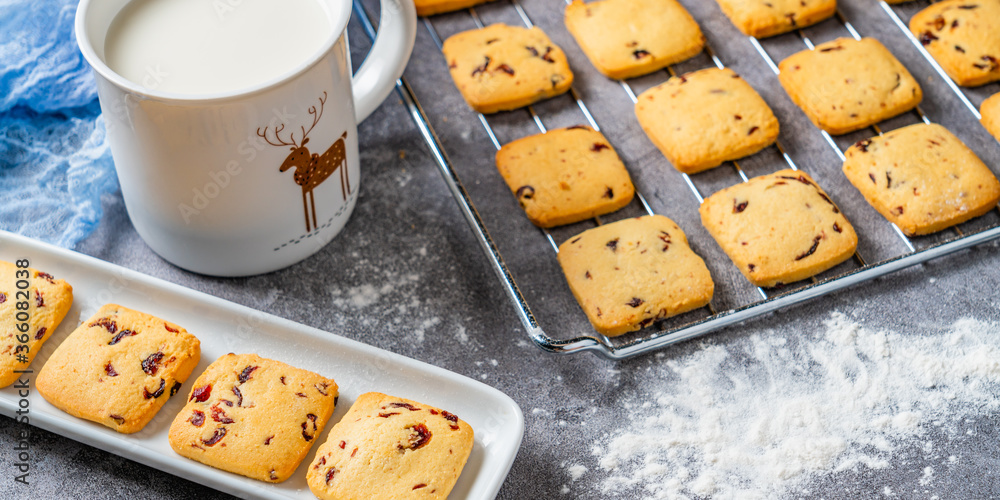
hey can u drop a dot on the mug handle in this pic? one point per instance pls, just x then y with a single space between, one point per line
387 58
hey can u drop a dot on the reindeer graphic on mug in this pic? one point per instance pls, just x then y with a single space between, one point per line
312 169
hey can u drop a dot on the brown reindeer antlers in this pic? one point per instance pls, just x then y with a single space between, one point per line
316 116
277 130
291 137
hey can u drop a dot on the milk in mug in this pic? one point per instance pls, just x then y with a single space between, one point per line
195 47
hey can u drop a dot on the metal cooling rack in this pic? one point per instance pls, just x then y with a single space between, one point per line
771 299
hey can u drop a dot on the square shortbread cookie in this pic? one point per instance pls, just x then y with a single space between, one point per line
921 178
702 119
846 84
764 18
964 37
565 175
42 303
118 368
626 38
779 228
387 447
629 273
253 416
503 67
431 7
990 111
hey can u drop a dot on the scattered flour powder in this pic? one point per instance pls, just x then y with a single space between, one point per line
756 421
576 471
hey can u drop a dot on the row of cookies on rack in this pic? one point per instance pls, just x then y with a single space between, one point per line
503 67
625 38
244 414
776 229
753 17
922 178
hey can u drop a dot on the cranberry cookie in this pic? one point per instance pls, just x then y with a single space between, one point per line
44 301
625 38
764 18
871 85
702 119
629 273
118 368
387 448
565 175
431 7
253 416
990 111
964 37
779 228
922 178
503 67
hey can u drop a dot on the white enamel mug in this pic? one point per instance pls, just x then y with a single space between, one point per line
250 181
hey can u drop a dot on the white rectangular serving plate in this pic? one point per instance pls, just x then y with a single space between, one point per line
225 327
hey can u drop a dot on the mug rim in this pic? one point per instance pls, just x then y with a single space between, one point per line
105 71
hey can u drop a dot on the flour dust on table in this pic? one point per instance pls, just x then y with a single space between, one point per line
771 415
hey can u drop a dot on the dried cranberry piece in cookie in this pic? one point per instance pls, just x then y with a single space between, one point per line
121 335
220 432
151 364
241 392
247 373
201 394
197 418
108 324
420 435
451 417
155 394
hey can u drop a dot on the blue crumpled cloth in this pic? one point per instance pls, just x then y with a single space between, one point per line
55 163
